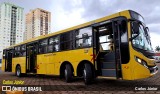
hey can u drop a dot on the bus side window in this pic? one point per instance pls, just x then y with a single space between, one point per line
84 37
23 50
53 44
66 41
43 46
17 52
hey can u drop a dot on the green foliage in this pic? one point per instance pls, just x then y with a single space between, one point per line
157 48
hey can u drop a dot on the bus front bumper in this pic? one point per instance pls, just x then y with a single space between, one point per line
153 70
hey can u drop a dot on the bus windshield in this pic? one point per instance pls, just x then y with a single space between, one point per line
142 41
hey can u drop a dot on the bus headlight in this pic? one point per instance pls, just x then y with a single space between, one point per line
142 62
139 60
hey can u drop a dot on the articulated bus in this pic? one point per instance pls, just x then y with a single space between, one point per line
113 47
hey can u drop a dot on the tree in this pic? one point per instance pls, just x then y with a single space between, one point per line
157 48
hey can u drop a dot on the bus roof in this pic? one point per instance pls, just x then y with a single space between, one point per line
122 13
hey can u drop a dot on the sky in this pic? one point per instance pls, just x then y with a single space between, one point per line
68 13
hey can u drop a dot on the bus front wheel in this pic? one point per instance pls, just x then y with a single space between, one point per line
68 73
18 71
87 73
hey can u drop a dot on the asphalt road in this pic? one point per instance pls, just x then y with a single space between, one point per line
54 85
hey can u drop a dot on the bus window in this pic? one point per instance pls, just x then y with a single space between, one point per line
66 41
84 37
53 44
43 46
105 42
17 52
23 50
106 37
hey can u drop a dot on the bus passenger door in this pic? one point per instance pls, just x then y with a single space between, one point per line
106 50
31 58
8 60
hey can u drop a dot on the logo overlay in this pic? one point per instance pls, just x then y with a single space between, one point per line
18 85
21 88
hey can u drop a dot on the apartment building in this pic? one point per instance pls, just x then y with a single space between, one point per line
37 23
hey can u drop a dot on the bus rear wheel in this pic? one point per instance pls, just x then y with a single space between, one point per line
68 73
18 71
87 74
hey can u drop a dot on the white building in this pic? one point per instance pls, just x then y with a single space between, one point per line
11 25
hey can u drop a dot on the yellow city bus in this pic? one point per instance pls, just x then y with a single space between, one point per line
113 47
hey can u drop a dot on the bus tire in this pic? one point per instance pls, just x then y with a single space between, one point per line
18 71
87 74
68 74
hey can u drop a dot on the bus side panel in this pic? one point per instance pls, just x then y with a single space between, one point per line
74 57
126 72
21 61
41 63
45 63
50 63
3 65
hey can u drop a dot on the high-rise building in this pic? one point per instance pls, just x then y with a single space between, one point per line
37 23
11 25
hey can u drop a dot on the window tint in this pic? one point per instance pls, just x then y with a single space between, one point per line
84 42
43 42
84 32
23 47
17 52
53 44
23 50
84 37
17 48
66 41
43 46
54 40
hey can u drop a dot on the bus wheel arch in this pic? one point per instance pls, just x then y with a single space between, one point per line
66 65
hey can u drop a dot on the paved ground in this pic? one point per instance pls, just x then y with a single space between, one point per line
102 86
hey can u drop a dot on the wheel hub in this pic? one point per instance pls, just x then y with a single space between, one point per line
84 73
65 73
18 72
